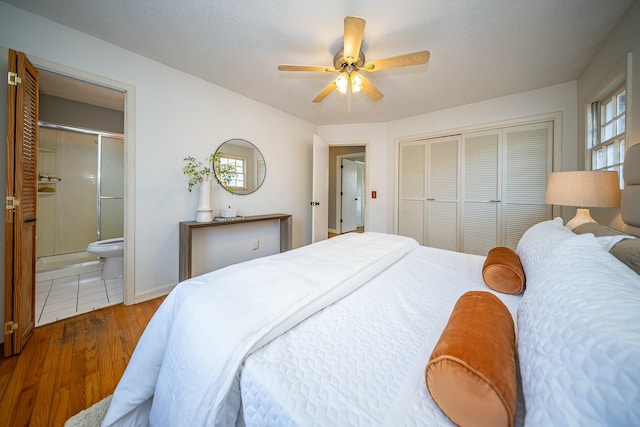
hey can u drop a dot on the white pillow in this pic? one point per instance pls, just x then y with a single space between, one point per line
579 339
536 243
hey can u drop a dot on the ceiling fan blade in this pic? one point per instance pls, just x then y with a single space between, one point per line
415 58
326 91
353 33
314 68
370 90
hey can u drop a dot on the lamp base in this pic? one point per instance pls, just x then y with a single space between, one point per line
582 217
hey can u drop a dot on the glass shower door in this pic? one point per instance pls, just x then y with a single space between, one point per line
111 188
77 166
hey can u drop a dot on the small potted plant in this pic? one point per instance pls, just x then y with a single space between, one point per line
197 171
201 173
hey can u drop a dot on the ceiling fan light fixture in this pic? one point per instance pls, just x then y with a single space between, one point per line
349 80
342 82
350 60
356 82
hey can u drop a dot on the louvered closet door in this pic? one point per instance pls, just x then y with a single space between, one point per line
481 201
528 156
412 213
442 193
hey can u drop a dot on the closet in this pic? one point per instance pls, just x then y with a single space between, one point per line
473 191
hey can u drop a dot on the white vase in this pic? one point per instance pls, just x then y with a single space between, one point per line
205 212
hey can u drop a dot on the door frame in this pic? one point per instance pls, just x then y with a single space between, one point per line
129 159
319 189
314 178
365 148
338 212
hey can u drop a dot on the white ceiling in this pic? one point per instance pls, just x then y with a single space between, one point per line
479 49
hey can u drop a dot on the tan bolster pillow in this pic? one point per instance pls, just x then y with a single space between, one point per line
471 373
502 271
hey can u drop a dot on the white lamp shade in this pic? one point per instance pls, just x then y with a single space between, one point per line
591 189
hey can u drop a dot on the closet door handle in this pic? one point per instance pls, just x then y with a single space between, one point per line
430 199
494 201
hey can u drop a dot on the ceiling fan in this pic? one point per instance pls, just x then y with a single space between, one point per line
349 62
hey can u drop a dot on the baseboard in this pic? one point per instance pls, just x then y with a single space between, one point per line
153 293
332 230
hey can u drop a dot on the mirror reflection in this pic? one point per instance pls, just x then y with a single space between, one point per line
240 167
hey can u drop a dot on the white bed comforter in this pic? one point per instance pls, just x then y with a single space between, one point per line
184 370
361 361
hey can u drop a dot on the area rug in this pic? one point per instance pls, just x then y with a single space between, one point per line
90 417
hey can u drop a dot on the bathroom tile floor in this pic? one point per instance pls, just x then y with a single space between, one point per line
66 292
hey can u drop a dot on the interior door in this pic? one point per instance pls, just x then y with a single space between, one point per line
22 192
320 190
442 193
481 201
527 148
412 212
349 195
360 195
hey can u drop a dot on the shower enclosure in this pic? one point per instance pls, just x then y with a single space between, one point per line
80 192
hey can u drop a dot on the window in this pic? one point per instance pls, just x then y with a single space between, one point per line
606 142
236 177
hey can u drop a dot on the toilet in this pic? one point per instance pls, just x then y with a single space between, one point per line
112 250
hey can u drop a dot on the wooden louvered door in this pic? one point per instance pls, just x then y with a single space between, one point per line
428 190
21 191
474 191
527 165
481 206
443 193
504 183
412 192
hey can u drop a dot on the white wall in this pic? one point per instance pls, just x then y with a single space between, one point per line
220 246
377 147
624 39
383 137
176 115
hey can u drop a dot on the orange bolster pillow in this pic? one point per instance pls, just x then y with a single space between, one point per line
502 271
471 373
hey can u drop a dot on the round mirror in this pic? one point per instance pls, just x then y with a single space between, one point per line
239 166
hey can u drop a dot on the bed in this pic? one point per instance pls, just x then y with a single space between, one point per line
345 332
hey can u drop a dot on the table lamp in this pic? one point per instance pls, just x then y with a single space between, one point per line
585 189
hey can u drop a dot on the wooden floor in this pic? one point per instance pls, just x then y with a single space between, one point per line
69 365
357 230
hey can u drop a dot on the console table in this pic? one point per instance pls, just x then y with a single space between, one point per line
188 227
